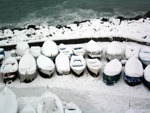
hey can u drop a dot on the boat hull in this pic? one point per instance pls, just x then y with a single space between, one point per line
94 73
146 83
45 73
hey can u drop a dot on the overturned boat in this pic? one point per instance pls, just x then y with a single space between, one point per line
93 66
112 72
93 49
27 68
133 71
78 49
115 50
28 109
45 66
9 69
131 51
144 55
8 101
62 64
146 78
77 64
49 103
71 108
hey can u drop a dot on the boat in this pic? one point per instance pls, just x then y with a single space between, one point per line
131 51
8 101
15 55
50 49
133 71
66 50
2 55
146 78
45 66
9 70
93 66
71 108
50 103
27 68
78 49
93 49
115 50
28 109
144 55
35 51
62 64
112 72
77 64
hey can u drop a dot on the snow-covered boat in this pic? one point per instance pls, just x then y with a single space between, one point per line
133 71
115 50
62 64
9 69
71 108
66 50
45 66
28 109
35 51
21 48
93 66
27 68
131 51
49 103
146 78
2 55
112 72
77 64
144 55
78 49
50 49
8 101
15 55
93 49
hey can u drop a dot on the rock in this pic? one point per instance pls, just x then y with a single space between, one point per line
105 19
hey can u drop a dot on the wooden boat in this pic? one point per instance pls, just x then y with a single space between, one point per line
144 55
133 71
49 103
62 64
93 49
45 66
8 101
28 109
112 72
71 108
115 50
78 49
131 51
146 78
93 66
77 64
21 48
35 51
9 69
27 68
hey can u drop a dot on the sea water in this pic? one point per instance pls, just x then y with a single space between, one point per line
54 12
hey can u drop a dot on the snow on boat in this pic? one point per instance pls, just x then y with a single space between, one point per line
146 78
45 66
21 48
93 66
66 50
144 55
2 55
71 108
93 49
14 55
9 69
8 101
131 51
35 51
77 64
27 68
133 71
50 49
112 72
28 109
78 49
115 50
50 103
62 64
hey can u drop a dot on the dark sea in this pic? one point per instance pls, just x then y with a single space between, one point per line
53 12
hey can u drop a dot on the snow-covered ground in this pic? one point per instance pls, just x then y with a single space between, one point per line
89 93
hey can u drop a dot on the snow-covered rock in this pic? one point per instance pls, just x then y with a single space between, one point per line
21 48
72 108
78 49
28 109
62 64
27 68
144 55
131 51
50 103
35 51
8 101
45 66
